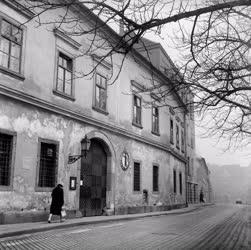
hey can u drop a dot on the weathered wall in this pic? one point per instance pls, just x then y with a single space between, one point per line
30 124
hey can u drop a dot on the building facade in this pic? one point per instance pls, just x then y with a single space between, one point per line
138 152
200 182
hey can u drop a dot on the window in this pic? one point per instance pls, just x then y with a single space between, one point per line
6 143
155 178
47 165
180 181
177 137
188 166
10 46
137 110
171 131
100 92
155 120
174 181
182 141
64 74
136 176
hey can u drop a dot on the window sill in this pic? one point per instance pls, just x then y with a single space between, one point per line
137 125
155 192
6 188
100 110
137 192
61 94
156 133
12 73
43 189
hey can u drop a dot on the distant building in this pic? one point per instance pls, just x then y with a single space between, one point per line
138 154
203 180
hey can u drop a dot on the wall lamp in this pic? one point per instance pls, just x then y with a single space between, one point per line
85 146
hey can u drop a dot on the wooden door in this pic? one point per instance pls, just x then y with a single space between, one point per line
93 181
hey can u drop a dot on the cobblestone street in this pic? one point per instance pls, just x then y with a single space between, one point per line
213 227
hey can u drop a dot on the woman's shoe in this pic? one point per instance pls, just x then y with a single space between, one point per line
49 221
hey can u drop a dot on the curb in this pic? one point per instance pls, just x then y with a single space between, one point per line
102 220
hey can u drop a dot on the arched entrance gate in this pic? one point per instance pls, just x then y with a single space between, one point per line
93 180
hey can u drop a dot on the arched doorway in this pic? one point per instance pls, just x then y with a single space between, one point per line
93 176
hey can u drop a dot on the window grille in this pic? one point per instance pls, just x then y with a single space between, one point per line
64 74
5 158
137 110
10 46
155 178
100 92
48 164
136 181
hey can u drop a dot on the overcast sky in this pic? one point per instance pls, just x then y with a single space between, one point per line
214 151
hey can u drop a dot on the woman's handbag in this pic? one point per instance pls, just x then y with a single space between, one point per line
63 213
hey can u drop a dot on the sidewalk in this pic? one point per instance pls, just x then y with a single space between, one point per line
8 230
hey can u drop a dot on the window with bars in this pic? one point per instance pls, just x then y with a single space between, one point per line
155 178
174 181
64 74
177 136
100 92
155 120
10 46
137 109
6 144
47 165
180 182
136 176
171 131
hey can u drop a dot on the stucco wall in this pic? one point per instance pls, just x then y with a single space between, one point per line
30 124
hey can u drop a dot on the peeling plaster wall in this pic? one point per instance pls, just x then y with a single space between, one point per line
30 124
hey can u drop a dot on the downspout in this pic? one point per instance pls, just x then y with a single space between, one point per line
186 164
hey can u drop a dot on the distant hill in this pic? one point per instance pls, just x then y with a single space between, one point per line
231 182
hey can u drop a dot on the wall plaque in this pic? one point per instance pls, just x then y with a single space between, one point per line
125 160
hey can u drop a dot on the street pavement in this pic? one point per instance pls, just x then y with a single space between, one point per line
208 227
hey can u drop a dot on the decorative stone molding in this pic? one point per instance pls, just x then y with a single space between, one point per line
81 117
67 39
19 8
137 85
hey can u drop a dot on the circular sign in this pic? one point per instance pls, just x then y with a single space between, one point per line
124 160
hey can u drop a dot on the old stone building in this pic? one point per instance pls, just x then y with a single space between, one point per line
199 182
138 151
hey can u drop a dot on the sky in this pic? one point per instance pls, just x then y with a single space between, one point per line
214 152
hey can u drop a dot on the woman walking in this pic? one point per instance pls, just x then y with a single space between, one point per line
57 202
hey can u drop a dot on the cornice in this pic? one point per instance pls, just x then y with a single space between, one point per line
19 8
137 85
102 62
67 39
29 99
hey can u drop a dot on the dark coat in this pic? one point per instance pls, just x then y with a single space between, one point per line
57 200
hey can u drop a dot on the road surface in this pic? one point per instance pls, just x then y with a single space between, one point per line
212 227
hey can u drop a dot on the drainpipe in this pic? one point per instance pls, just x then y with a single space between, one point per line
186 165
